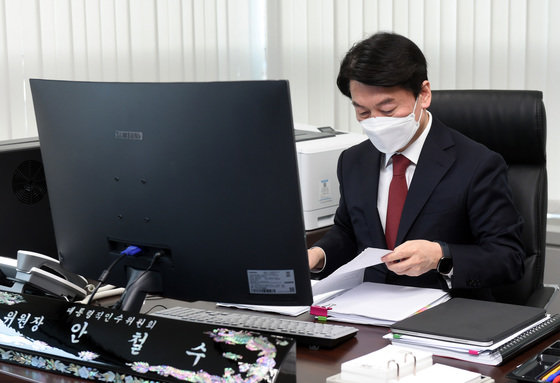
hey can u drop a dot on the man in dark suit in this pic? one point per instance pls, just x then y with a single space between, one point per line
458 228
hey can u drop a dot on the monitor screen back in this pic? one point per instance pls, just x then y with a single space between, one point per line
204 173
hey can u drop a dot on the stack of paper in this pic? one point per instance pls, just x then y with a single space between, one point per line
372 303
489 355
381 304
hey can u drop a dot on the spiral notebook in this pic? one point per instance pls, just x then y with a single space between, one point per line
485 337
492 355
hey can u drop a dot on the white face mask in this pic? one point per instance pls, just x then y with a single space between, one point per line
389 134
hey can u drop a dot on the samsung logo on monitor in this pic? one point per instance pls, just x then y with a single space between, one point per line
129 135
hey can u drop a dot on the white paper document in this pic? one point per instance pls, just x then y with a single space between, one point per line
382 304
350 274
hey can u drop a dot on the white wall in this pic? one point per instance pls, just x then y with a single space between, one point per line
496 44
123 40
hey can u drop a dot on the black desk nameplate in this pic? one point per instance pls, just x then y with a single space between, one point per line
108 345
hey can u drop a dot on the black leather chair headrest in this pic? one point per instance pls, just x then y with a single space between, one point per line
510 122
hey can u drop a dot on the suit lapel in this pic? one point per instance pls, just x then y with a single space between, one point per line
371 166
435 160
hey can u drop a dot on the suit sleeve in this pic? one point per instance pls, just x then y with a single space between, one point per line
496 255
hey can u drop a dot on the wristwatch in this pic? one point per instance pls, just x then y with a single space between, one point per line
445 263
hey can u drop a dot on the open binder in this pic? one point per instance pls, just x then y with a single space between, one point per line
399 364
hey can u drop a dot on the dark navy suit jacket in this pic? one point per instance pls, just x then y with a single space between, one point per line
459 195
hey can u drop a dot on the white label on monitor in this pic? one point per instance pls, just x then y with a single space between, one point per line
271 281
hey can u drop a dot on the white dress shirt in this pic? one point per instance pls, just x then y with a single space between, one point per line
386 170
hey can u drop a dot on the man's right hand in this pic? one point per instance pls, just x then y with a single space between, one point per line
316 257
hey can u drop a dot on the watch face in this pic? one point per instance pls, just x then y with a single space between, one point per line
445 265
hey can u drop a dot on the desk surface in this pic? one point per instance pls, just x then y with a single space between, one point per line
313 366
316 366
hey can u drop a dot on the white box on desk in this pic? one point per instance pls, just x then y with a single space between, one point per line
317 163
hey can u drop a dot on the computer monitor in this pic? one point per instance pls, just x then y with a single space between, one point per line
25 218
204 174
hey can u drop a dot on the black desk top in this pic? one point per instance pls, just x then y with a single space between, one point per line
313 366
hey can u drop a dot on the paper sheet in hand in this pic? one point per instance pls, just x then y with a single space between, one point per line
352 273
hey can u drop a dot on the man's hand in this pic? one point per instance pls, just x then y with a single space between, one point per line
316 257
413 258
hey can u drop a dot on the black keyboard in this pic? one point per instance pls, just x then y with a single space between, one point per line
313 334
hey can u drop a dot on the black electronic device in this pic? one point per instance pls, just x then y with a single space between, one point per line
36 273
201 176
312 334
543 366
25 219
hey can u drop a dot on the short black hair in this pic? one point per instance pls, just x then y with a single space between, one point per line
384 59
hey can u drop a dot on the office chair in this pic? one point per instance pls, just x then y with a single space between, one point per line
512 123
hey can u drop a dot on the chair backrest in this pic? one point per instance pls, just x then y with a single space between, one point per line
512 123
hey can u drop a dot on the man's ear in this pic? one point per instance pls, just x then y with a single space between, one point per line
425 95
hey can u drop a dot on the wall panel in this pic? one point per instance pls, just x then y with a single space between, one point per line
123 40
481 44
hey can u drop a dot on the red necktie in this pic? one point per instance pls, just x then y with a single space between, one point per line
397 195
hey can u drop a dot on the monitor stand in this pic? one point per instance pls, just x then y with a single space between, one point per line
140 283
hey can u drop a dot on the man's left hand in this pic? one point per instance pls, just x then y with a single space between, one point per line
414 257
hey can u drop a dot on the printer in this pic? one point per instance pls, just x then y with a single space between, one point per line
318 150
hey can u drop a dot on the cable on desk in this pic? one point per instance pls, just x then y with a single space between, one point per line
129 251
155 307
118 304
